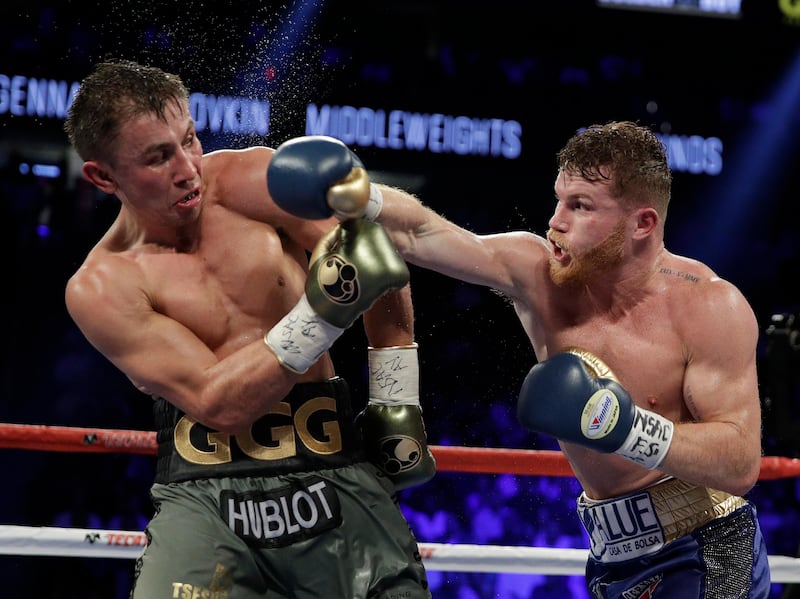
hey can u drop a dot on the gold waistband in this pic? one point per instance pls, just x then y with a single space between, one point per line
682 507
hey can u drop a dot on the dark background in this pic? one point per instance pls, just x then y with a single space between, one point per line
553 67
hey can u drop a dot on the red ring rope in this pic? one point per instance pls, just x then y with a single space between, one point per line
484 460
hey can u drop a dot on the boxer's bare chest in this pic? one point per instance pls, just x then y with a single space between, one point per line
641 345
646 353
235 282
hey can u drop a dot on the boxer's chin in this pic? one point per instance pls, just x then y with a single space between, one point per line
566 275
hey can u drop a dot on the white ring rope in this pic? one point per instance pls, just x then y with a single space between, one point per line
442 557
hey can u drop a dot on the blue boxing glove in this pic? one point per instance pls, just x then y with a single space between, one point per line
316 176
575 397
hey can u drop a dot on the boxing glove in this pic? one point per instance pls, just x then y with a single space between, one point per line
351 267
316 176
391 425
575 397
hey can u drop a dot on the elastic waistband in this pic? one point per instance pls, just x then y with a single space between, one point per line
311 429
643 522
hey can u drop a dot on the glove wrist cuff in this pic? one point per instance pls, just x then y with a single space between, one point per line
393 375
375 203
649 439
301 337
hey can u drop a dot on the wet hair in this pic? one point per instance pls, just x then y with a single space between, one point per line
115 92
628 156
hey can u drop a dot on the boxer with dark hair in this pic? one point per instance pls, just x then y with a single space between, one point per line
203 293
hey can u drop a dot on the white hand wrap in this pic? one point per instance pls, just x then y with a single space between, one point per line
301 337
393 375
375 203
648 440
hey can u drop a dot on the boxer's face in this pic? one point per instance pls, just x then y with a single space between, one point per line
156 167
588 230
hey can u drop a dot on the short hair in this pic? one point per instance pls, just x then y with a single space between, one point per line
115 92
635 158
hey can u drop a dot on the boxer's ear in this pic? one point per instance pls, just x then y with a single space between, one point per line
98 175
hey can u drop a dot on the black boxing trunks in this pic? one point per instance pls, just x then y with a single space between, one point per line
289 509
674 540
